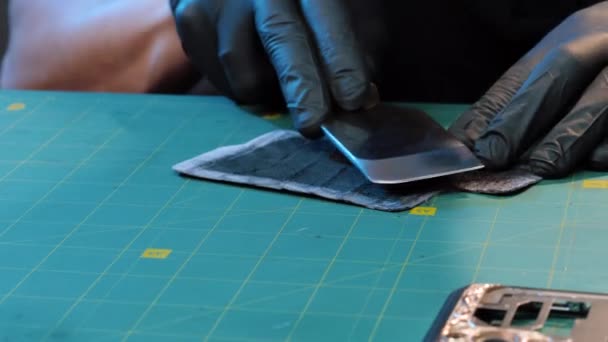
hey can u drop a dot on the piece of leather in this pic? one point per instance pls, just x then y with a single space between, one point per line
495 183
283 160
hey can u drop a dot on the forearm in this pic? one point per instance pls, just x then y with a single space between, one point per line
99 45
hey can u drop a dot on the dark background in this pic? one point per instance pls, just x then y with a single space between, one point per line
3 25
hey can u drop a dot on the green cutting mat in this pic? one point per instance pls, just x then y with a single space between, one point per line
101 241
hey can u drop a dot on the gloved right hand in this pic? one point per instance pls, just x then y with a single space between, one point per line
549 111
309 49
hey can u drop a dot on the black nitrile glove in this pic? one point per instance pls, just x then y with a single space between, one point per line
549 110
309 49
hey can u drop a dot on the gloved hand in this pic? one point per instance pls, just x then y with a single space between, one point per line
550 109
306 48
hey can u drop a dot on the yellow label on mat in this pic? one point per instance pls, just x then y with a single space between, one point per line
154 253
16 107
595 184
424 211
272 116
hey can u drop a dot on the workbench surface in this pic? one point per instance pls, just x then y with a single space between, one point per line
101 241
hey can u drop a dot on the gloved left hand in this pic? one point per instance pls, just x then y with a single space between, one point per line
312 50
550 109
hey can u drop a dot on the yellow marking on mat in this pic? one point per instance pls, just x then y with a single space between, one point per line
16 106
154 253
595 184
272 116
424 211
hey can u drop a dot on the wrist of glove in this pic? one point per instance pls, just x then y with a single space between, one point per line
549 110
307 55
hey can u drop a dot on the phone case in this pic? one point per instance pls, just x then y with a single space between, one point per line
497 313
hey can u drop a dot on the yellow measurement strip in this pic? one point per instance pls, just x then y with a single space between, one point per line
424 211
154 253
15 107
595 184
272 116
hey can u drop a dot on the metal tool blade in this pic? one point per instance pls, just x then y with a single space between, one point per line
392 144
